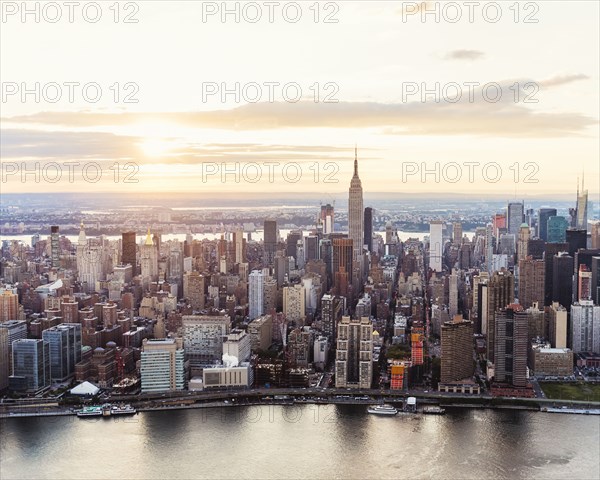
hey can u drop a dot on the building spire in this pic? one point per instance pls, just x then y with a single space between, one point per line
82 240
355 160
149 238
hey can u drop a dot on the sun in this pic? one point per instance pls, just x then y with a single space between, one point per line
155 147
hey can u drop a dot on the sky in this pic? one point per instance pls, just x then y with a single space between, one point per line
186 99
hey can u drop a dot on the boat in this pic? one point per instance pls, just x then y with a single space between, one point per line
382 410
106 410
92 411
434 410
122 410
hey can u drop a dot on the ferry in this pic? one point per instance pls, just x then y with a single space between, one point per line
382 410
434 410
122 410
93 411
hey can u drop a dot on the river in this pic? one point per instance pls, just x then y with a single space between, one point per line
302 441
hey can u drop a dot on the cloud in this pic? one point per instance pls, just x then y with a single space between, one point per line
557 80
473 114
464 55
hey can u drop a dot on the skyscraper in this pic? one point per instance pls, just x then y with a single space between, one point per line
514 213
356 215
512 334
585 327
162 366
500 293
531 282
368 222
576 238
562 281
331 313
582 208
54 246
270 240
354 355
31 362
457 350
557 229
149 261
543 215
128 249
435 245
64 343
5 363
255 293
327 218
551 250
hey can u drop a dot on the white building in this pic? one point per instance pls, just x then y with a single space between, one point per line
436 245
162 365
585 319
255 294
294 304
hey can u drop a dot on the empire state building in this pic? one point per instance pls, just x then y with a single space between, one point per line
356 214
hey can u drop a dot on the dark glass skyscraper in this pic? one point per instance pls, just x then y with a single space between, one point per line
543 216
128 248
368 221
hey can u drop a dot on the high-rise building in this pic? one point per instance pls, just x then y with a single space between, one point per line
453 293
354 355
457 350
512 334
256 287
457 233
128 249
368 222
584 289
515 217
531 282
595 283
89 257
16 330
193 289
149 262
162 366
595 236
31 363
342 258
557 324
557 229
294 304
5 363
203 337
576 238
260 332
551 250
331 314
270 240
523 242
562 281
54 246
9 305
543 215
500 292
64 343
292 242
585 327
327 218
582 208
356 215
436 245
239 243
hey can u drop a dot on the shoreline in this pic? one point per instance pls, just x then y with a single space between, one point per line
183 403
